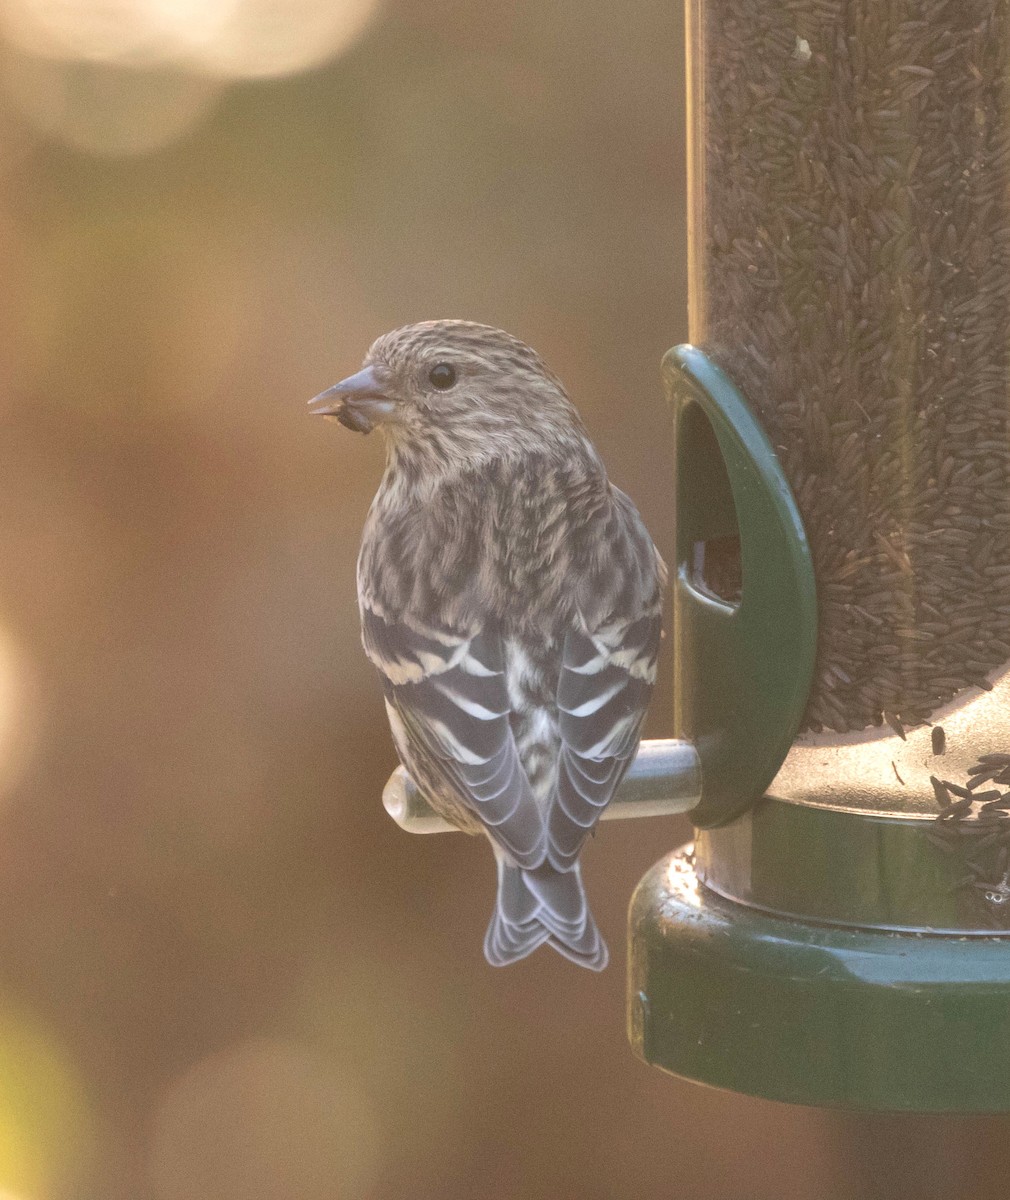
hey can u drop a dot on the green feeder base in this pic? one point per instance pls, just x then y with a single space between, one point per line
817 1014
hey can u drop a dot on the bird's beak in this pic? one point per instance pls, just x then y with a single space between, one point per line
358 402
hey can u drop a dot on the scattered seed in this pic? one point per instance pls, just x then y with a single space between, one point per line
895 724
940 791
957 790
977 780
959 809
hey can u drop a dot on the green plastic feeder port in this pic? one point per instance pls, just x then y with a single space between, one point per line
839 934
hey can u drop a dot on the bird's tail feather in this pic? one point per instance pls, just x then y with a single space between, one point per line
543 905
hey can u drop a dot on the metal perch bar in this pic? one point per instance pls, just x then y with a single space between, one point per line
664 781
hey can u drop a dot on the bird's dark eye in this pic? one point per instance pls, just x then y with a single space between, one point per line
442 376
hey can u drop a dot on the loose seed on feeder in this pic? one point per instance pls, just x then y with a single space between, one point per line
957 790
940 791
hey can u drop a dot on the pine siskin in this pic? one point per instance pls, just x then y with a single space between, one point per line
510 598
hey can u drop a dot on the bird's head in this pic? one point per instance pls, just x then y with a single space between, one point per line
454 389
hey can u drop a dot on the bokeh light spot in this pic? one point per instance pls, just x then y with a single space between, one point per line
46 1130
109 31
268 1120
18 712
279 37
234 38
107 109
130 76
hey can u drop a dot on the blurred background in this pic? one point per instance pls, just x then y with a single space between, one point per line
224 973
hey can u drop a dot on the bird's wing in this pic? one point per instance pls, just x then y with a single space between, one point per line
604 689
448 689
608 671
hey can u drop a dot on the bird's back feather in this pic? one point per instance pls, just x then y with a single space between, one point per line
514 614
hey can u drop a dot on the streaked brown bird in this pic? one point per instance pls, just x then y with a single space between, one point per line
510 598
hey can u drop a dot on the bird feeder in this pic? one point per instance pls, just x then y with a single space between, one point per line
839 934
